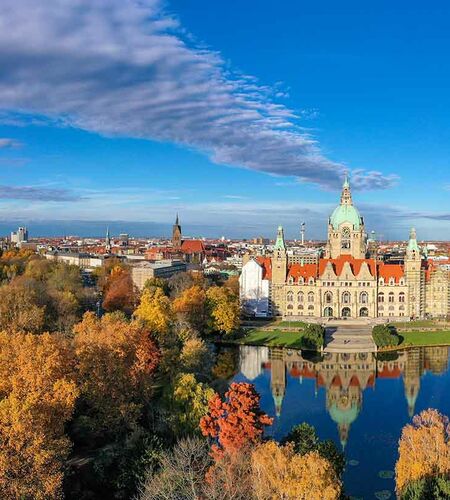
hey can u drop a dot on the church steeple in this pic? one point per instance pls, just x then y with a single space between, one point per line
176 233
108 240
279 243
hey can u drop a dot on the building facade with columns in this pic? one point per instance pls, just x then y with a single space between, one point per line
345 282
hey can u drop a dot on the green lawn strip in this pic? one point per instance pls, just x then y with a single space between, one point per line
291 324
425 338
420 324
272 338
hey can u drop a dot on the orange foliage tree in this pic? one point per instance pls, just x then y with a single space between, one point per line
119 292
37 398
424 449
278 472
116 360
235 422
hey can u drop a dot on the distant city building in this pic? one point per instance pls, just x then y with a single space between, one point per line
124 239
143 271
19 236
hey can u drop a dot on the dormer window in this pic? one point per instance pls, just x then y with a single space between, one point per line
311 281
391 281
290 280
381 281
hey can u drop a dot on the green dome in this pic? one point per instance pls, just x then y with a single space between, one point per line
341 416
345 213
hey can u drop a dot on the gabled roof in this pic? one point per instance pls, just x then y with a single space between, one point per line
388 271
355 265
266 264
306 271
192 246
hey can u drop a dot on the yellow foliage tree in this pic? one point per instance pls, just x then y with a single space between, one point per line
156 310
195 355
224 309
424 449
116 359
191 307
190 399
19 311
37 398
279 473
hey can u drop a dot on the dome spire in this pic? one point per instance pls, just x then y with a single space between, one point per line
346 196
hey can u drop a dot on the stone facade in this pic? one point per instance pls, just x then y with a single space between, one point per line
346 283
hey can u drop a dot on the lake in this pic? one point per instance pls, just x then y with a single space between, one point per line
359 400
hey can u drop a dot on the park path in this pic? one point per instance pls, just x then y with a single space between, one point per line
347 337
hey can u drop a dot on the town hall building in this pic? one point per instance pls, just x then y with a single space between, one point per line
345 283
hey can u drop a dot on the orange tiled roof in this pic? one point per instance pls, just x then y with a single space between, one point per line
266 264
355 264
386 373
306 271
192 246
387 271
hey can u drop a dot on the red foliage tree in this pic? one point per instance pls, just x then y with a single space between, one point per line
235 422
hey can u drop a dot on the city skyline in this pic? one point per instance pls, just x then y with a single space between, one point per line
173 108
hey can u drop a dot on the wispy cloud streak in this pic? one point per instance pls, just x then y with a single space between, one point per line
123 67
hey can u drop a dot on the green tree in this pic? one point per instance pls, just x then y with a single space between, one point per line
385 335
313 337
304 439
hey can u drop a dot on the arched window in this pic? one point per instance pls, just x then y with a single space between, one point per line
311 281
391 297
363 297
401 297
381 297
300 297
310 308
300 307
391 308
290 296
345 241
346 298
291 280
328 298
310 297
290 306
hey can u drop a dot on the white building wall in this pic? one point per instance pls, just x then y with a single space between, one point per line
254 290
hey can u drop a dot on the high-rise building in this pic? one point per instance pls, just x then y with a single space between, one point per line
19 236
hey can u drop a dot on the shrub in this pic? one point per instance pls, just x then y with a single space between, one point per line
313 337
385 335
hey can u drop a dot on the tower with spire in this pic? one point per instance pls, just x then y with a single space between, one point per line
346 233
279 272
414 276
176 234
108 241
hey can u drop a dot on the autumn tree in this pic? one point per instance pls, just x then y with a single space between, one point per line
279 472
236 421
118 291
195 356
224 309
424 450
116 361
304 439
190 307
189 403
156 311
20 310
37 398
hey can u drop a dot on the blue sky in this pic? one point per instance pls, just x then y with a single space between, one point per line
238 115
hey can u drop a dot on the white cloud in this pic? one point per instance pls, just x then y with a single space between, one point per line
123 67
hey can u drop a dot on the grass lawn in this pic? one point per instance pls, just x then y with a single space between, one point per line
272 338
291 324
425 323
425 338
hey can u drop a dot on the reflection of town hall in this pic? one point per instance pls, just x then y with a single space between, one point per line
344 376
345 283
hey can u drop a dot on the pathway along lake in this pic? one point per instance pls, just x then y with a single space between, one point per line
359 400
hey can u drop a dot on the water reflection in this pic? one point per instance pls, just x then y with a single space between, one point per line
344 376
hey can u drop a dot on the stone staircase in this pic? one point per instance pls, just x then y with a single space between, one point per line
349 337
